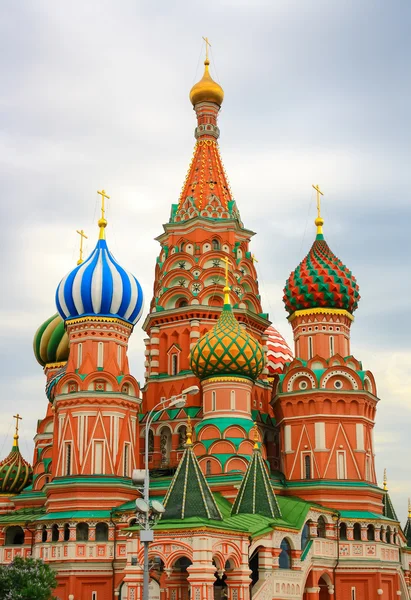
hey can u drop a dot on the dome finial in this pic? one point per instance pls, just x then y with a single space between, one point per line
256 436
319 220
82 236
384 483
189 433
206 90
226 287
207 60
102 223
16 435
409 508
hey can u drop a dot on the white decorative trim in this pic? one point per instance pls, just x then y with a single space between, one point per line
300 374
341 374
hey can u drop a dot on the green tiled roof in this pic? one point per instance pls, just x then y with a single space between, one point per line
189 494
24 515
76 514
364 514
388 511
407 532
256 495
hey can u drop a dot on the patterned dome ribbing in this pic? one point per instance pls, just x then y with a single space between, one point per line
321 280
227 349
15 472
51 344
99 286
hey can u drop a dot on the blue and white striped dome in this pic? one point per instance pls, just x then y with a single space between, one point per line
100 286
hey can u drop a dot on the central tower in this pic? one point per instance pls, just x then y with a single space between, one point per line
204 233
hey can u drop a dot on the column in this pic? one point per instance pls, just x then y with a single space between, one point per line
330 531
238 584
194 333
92 532
72 526
350 531
295 560
364 536
154 351
147 358
313 593
201 579
313 529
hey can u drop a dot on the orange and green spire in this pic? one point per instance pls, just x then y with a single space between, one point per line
15 472
321 280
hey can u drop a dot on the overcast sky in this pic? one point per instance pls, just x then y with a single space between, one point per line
95 94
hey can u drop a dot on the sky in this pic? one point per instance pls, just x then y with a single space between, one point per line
95 95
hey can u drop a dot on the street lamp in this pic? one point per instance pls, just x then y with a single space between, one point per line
148 514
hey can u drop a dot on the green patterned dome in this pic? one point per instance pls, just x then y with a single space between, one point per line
51 342
227 349
15 472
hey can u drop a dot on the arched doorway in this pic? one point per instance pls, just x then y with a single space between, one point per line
323 585
179 579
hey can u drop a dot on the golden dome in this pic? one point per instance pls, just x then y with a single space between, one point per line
206 90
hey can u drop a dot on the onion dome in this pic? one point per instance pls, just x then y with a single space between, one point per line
227 349
321 280
278 351
206 90
101 287
15 472
51 343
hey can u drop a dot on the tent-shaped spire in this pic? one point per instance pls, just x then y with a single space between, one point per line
256 496
407 529
388 508
189 494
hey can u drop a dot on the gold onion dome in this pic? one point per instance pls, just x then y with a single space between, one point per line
51 343
207 90
15 472
227 349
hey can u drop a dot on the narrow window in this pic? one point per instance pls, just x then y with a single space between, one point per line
174 364
67 459
353 593
341 468
310 347
208 467
320 436
368 468
79 355
120 357
357 532
55 533
232 399
213 400
93 595
287 438
44 534
343 531
359 428
100 355
98 458
331 345
307 466
216 245
66 532
126 460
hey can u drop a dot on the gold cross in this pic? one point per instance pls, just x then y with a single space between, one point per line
227 287
207 45
253 258
82 236
103 197
319 193
16 435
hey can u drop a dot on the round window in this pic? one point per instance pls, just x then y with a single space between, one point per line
303 385
338 384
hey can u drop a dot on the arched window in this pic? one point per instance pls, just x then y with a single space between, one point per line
208 467
165 445
305 535
321 527
174 364
55 533
14 536
232 399
388 535
307 466
182 436
182 302
370 533
213 400
66 532
82 532
215 244
150 441
100 355
67 459
382 534
284 560
44 534
343 531
101 532
357 531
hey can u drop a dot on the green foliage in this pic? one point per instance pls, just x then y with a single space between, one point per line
27 579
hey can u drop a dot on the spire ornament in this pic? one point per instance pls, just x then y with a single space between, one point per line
256 436
102 223
189 433
16 434
319 221
207 43
384 483
409 508
82 237
226 287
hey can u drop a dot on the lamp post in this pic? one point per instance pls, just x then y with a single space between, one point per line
147 514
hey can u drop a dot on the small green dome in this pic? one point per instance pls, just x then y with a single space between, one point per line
227 349
51 343
15 472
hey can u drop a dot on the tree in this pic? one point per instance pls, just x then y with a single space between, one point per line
27 579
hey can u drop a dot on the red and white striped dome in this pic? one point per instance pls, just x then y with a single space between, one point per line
278 352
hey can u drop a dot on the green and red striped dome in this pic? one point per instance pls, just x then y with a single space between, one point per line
321 280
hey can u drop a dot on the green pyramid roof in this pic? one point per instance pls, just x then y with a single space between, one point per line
189 494
407 531
256 496
388 510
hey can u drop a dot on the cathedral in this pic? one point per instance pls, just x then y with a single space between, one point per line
260 458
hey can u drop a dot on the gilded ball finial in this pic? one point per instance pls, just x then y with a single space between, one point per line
256 436
207 90
384 483
189 432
